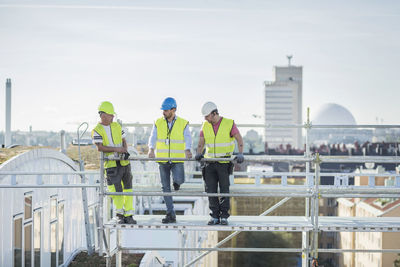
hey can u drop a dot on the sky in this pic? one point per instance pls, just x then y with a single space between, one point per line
65 57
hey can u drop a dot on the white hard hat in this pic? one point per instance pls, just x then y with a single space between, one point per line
207 108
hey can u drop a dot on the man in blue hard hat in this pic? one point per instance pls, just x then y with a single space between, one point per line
170 138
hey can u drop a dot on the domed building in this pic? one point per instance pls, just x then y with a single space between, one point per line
333 114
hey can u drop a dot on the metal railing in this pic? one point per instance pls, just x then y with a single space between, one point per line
311 189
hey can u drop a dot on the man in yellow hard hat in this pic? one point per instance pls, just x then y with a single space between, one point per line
171 138
110 139
218 134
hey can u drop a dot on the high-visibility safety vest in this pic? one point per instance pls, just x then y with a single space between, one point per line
116 131
170 142
222 144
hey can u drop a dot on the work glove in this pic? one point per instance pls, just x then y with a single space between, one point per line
239 158
198 157
126 155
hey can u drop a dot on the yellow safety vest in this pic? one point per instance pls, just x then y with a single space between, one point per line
116 132
170 143
222 144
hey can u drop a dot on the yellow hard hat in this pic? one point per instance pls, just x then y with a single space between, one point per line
107 107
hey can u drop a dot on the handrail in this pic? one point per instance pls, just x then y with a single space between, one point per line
276 158
249 174
309 125
231 159
47 173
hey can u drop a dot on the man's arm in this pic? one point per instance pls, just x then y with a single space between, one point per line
188 142
199 153
239 141
200 146
102 148
152 142
98 140
124 144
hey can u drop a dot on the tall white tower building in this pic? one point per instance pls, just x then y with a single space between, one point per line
283 105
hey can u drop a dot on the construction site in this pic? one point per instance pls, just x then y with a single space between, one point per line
272 164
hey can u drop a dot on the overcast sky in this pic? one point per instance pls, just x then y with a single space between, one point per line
65 57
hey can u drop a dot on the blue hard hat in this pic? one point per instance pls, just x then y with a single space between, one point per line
168 103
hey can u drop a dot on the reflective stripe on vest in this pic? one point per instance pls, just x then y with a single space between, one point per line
170 143
222 144
116 132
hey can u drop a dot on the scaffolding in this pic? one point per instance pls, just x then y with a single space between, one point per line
310 224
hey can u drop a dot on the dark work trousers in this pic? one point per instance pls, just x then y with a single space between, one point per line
117 174
217 173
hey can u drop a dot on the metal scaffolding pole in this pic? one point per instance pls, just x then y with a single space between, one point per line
360 159
286 250
49 186
274 250
83 189
101 203
315 203
305 235
263 158
118 256
199 194
316 126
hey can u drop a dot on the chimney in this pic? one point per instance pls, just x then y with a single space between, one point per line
63 148
7 136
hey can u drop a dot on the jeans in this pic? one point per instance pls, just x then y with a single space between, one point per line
178 176
217 174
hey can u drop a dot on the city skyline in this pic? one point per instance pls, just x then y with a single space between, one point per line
65 59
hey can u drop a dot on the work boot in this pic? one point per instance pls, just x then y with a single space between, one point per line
213 221
176 186
130 220
169 218
224 221
120 218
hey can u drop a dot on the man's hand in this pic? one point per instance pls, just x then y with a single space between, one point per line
198 156
151 153
121 150
239 158
126 155
188 154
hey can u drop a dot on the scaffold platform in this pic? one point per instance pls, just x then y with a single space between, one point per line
264 223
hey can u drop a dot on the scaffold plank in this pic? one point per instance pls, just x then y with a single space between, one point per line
236 223
358 224
266 223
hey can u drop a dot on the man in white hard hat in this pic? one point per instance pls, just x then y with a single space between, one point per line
218 134
171 138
